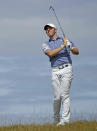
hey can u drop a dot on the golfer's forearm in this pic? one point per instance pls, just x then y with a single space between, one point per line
54 52
75 51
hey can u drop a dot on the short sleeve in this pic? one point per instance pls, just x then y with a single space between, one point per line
45 47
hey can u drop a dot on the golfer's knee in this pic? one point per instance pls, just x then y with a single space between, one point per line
65 97
57 97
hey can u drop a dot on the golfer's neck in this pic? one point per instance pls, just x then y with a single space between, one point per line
54 37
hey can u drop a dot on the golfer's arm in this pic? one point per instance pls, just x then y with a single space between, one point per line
54 52
75 51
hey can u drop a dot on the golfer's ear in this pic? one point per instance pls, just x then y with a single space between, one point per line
56 30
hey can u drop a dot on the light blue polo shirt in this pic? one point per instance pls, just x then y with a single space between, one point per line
63 57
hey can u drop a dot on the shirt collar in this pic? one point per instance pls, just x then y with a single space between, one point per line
54 40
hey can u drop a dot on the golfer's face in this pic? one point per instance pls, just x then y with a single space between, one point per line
50 31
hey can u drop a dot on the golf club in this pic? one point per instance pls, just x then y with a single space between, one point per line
52 8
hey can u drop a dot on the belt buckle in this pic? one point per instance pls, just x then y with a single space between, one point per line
61 67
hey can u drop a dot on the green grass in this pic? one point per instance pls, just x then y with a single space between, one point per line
74 126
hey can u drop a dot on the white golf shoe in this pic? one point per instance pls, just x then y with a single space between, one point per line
61 123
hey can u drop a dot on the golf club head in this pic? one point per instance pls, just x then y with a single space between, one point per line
51 8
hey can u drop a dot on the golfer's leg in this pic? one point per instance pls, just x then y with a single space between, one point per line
56 108
65 90
57 100
65 102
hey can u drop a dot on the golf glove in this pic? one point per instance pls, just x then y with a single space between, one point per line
68 45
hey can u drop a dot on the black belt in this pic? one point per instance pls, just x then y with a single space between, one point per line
61 66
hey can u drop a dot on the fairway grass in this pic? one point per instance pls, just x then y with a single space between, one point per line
74 126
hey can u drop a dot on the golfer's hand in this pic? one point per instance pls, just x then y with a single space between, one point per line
65 41
68 44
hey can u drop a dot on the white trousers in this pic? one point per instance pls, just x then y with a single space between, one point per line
61 82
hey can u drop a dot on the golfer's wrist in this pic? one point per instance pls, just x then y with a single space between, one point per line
62 46
71 48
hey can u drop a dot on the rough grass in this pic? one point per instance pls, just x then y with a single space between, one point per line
75 126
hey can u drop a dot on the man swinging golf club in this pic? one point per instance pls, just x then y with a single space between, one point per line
58 50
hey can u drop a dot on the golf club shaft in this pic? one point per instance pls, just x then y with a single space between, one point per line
57 20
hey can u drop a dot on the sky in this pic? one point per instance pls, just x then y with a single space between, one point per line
22 62
22 22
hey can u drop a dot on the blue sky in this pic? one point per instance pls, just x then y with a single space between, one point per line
25 70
